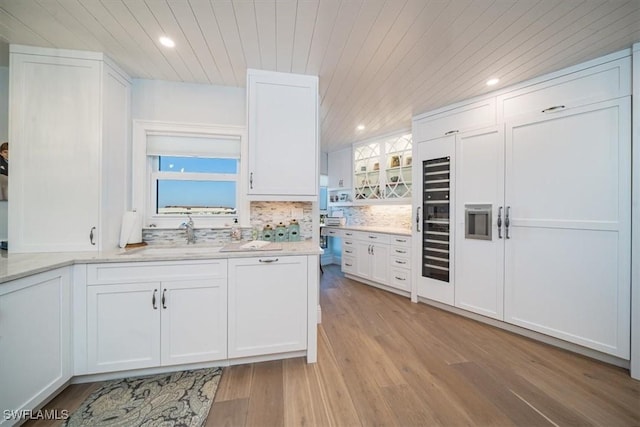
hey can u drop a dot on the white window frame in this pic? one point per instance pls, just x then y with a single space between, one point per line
145 173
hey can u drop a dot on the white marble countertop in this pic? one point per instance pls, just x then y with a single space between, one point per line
373 229
15 266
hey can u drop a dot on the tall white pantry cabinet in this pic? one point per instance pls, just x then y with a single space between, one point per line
69 133
549 160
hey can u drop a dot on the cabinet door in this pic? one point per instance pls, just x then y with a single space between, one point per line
55 165
340 169
363 259
379 263
283 134
194 321
35 339
568 255
123 326
480 181
267 305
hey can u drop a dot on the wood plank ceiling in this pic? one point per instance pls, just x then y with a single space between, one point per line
379 61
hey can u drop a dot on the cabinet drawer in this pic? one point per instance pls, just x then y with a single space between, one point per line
350 234
348 264
349 250
400 279
404 241
332 232
606 81
131 272
348 243
399 262
375 238
466 117
400 251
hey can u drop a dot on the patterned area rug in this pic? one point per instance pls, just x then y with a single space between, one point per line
173 399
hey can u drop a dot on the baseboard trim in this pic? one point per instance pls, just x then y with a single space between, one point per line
378 285
556 342
80 379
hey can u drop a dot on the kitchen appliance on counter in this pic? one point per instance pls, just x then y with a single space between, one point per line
335 221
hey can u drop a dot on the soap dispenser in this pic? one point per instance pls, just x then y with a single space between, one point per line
236 234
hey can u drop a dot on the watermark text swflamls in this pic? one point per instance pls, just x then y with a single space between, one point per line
42 414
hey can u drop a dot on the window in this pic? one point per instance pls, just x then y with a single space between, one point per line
195 185
189 170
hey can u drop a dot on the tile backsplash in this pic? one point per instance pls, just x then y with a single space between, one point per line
262 213
395 216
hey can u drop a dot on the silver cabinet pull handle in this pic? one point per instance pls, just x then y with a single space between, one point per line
373 237
418 219
153 300
348 265
400 262
400 252
91 236
372 250
164 306
552 109
251 180
268 261
499 222
451 132
400 278
507 222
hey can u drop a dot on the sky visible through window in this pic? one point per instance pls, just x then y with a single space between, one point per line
180 193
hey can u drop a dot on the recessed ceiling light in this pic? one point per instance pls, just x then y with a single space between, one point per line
166 41
360 127
492 82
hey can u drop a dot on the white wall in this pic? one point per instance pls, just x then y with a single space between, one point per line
4 132
188 102
4 104
635 219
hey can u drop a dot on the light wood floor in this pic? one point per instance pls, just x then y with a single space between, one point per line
385 361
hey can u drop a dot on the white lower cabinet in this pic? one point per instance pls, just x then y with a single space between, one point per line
379 258
35 339
267 305
123 326
372 261
138 324
194 321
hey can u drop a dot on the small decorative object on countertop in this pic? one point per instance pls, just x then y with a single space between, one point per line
294 231
281 232
268 233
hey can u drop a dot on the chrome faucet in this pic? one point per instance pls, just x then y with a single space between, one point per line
191 237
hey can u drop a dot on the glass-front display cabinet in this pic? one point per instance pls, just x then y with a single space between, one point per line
382 169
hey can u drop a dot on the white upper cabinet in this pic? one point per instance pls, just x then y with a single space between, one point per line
283 136
448 121
606 81
340 169
69 131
